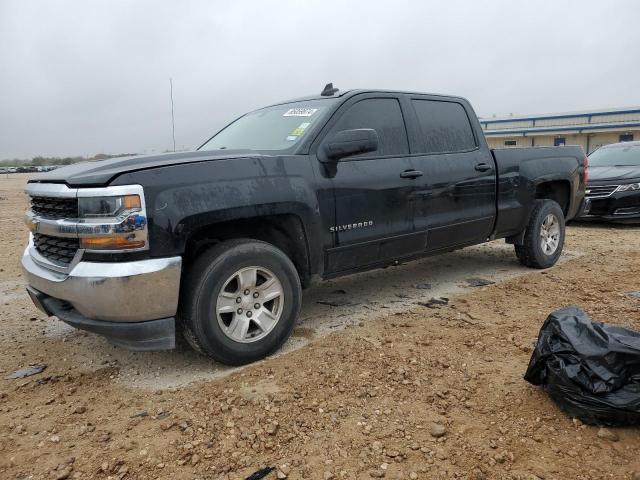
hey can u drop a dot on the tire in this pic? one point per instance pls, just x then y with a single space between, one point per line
214 309
532 253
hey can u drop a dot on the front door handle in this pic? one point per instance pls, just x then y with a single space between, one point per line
483 167
411 174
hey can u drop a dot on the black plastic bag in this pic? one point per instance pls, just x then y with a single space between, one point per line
590 369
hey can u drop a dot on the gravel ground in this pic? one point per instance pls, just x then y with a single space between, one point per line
372 384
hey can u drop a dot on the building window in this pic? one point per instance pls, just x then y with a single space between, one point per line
510 143
626 137
559 142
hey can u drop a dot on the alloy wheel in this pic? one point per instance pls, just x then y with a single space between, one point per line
550 234
250 304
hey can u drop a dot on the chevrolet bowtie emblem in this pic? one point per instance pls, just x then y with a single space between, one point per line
32 224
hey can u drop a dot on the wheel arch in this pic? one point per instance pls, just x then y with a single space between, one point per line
558 190
285 231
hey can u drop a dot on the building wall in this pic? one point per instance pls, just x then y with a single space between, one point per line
547 140
595 140
592 129
560 121
537 141
600 139
563 122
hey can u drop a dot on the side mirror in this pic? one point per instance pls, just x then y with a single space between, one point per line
351 142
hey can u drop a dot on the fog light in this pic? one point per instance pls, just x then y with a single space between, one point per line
627 211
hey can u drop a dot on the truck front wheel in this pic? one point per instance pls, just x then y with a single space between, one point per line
240 301
544 237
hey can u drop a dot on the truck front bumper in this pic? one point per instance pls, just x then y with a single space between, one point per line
131 303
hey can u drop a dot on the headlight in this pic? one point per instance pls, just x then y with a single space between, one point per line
116 222
629 187
98 207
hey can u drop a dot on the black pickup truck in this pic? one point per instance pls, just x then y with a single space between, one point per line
217 243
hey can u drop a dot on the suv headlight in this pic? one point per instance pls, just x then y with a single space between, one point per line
112 219
629 187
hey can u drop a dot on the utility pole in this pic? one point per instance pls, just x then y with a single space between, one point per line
173 123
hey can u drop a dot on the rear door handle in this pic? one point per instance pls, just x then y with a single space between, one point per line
483 167
411 174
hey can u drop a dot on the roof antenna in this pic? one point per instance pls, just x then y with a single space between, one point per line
173 123
329 90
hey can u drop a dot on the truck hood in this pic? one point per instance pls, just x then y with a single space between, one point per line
602 174
100 173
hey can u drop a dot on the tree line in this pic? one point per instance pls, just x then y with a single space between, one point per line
41 161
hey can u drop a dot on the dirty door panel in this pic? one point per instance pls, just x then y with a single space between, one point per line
455 198
374 212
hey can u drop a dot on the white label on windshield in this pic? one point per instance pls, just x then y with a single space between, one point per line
300 112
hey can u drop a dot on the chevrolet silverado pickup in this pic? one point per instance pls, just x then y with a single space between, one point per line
216 244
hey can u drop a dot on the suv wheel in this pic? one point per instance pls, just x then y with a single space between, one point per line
544 237
240 301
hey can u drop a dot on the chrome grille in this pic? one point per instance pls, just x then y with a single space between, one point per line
60 250
600 191
55 207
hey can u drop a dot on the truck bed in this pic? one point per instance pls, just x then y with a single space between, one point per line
515 166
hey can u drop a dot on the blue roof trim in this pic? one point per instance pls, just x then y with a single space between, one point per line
550 117
524 131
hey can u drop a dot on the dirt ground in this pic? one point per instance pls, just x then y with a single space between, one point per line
372 384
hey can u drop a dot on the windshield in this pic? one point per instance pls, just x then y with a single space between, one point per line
273 128
620 155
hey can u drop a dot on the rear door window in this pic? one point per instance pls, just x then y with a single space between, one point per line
382 115
445 126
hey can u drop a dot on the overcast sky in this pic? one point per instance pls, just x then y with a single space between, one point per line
83 77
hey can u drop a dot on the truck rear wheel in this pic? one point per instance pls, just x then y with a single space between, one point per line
544 237
240 301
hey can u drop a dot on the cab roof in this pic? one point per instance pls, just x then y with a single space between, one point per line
351 93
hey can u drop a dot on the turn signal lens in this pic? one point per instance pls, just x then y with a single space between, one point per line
110 243
132 202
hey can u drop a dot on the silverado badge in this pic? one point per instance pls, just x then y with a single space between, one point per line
350 226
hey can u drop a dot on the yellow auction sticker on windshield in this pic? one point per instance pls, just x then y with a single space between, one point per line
298 131
300 112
